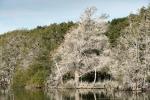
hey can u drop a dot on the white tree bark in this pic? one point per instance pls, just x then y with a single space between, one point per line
84 49
94 77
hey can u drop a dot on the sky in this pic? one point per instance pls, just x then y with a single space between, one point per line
27 14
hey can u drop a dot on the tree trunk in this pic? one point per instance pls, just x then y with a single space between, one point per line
76 78
94 78
59 73
95 97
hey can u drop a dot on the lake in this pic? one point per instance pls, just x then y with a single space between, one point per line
68 94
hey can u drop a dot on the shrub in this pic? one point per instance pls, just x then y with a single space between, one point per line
35 76
20 78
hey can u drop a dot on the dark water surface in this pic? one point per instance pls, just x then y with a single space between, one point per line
81 94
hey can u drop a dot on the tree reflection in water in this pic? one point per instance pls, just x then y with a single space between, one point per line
96 94
69 94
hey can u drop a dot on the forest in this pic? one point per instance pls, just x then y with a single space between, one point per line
90 53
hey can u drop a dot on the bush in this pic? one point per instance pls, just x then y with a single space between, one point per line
38 79
35 76
20 78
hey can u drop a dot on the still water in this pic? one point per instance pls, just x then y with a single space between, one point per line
72 95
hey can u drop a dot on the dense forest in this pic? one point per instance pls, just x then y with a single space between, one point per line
91 53
26 54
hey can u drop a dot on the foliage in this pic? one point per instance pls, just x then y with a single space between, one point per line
38 78
115 28
35 75
84 49
19 79
31 50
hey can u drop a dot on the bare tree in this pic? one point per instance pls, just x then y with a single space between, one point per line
85 48
133 52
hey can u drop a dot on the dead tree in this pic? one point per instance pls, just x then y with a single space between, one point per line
85 47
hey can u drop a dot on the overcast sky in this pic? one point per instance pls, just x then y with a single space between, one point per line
17 14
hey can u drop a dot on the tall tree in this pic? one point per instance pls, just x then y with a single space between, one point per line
133 51
85 48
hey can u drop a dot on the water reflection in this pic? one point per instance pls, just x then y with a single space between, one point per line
21 94
79 94
97 95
